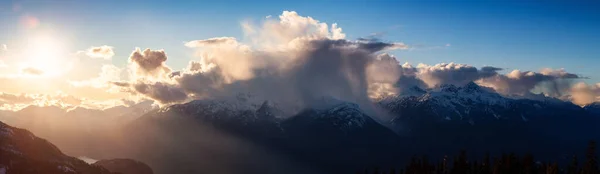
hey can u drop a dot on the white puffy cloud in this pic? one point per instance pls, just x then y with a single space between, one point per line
386 76
302 59
279 32
521 82
149 62
297 59
452 73
582 93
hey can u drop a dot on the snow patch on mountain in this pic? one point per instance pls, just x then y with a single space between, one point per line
66 169
5 131
593 108
10 148
345 115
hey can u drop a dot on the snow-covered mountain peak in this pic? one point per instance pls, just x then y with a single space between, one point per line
413 91
83 111
593 107
271 110
239 102
240 105
345 115
448 88
450 102
471 87
325 102
594 104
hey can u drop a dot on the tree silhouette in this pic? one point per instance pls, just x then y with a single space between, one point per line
591 165
505 164
574 166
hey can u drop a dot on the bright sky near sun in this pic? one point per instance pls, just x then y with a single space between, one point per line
46 44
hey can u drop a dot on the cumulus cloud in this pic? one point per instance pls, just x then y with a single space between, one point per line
391 78
452 73
32 71
296 60
386 76
236 61
582 93
105 52
149 62
288 27
300 60
162 92
521 82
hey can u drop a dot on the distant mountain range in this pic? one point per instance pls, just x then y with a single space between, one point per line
23 153
471 117
339 136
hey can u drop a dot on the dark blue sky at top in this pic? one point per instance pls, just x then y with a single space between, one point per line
526 35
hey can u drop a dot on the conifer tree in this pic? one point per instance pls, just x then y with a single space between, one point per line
485 165
392 171
573 167
591 165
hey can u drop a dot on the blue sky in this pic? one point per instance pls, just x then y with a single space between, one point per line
526 35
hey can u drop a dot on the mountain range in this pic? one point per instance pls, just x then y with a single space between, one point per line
339 136
24 153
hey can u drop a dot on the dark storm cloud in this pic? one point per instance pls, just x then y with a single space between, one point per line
164 93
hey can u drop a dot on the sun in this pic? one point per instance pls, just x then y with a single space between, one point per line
46 53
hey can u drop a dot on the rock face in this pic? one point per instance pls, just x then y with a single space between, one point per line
125 166
24 153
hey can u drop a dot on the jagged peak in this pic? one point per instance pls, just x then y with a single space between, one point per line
267 104
80 109
592 105
536 97
268 108
325 102
471 87
416 89
448 88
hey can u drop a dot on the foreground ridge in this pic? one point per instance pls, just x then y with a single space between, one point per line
21 152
